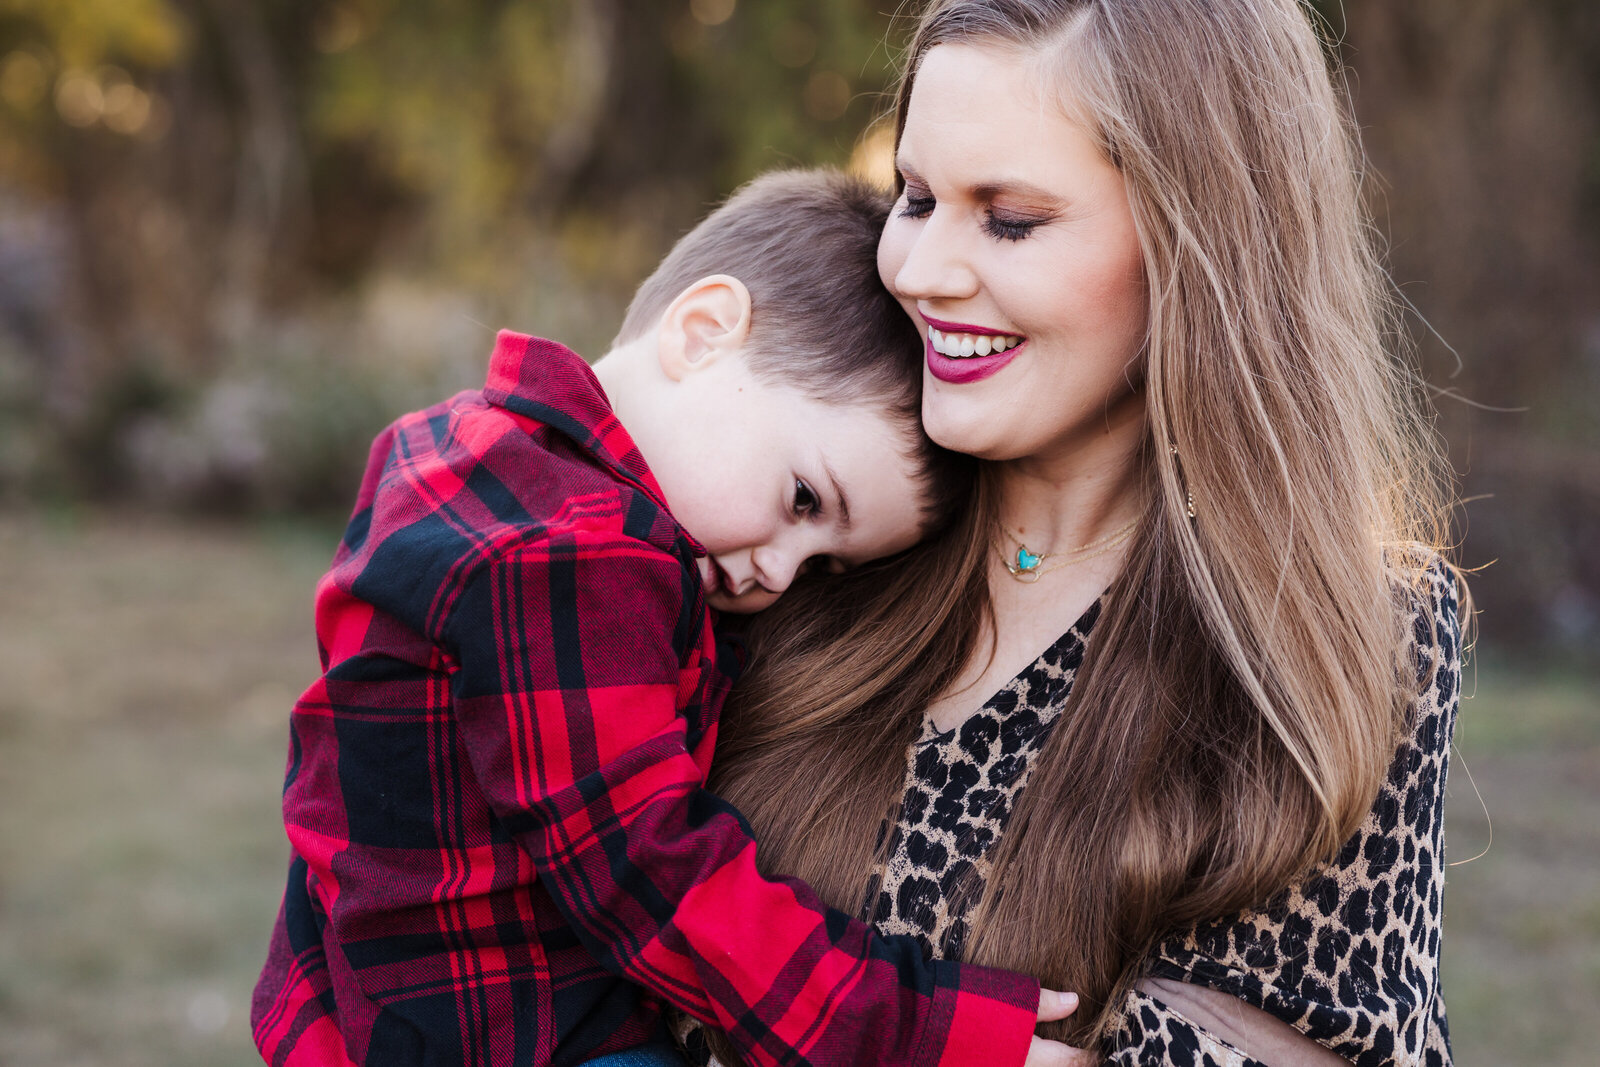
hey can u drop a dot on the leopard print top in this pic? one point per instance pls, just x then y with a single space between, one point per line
960 785
1349 956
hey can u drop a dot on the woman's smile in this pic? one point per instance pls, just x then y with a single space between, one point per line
960 353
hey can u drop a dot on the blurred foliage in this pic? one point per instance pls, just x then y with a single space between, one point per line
186 183
237 235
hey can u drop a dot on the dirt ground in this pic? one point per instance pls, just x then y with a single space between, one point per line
148 669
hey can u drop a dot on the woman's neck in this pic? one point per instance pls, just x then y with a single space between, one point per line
1058 504
1054 508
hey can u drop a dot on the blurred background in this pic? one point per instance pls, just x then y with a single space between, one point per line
238 236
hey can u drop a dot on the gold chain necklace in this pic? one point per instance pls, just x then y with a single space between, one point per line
1027 567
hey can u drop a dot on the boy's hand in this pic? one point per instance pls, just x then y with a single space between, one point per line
1045 1053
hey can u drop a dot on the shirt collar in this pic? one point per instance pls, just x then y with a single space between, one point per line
548 381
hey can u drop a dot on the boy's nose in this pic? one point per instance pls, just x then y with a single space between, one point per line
776 566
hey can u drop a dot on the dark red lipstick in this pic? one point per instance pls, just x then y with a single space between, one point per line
961 327
961 371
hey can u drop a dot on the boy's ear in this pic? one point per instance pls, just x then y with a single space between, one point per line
707 320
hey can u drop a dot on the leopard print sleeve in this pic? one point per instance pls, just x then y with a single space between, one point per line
1350 955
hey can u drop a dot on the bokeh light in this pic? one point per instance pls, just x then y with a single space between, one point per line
795 44
127 109
23 80
873 156
338 29
826 96
79 99
712 12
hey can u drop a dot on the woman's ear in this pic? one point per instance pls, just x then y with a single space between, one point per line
704 322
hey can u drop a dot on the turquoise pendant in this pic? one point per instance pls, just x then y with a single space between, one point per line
1026 561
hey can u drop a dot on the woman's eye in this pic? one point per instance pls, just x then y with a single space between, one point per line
918 206
1008 229
805 501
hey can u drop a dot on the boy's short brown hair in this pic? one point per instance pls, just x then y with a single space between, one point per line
805 244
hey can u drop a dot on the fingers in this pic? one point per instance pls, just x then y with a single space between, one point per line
1042 1053
1054 1005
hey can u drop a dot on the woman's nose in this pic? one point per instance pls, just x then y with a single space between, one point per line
935 266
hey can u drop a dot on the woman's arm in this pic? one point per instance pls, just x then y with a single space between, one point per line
1264 1038
1346 959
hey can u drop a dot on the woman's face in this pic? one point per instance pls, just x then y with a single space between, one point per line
1014 237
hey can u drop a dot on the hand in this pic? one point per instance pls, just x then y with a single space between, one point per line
1045 1053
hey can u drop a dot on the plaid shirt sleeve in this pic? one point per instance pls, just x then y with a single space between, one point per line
569 703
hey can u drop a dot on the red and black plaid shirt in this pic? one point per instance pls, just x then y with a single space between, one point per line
494 792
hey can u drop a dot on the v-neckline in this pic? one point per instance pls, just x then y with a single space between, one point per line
1080 629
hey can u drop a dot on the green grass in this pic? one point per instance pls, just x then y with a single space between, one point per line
148 669
1522 920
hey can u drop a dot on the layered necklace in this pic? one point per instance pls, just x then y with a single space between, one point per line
1028 567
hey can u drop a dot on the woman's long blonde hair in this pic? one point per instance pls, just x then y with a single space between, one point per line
1243 691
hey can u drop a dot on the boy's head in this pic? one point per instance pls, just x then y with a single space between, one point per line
787 432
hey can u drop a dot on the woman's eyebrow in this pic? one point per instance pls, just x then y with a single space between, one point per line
1016 187
989 190
906 169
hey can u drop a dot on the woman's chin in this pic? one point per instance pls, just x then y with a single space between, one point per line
975 432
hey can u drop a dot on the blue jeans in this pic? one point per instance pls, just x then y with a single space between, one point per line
643 1056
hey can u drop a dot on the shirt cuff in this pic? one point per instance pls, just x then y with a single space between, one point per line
991 1013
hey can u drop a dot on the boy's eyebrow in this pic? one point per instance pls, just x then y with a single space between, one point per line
838 493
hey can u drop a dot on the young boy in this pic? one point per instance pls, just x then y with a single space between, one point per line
494 791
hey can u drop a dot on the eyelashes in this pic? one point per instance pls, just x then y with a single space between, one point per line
917 207
1004 229
998 225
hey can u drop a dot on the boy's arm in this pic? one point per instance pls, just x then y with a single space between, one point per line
575 659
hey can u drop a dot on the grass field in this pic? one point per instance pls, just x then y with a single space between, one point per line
148 668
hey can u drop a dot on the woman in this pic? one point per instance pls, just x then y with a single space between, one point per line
1196 608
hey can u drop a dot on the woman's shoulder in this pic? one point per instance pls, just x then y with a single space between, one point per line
1431 604
1428 588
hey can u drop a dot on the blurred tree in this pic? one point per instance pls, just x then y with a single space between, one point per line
271 137
163 136
1482 119
192 186
213 163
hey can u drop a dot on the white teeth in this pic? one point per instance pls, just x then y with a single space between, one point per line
960 346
